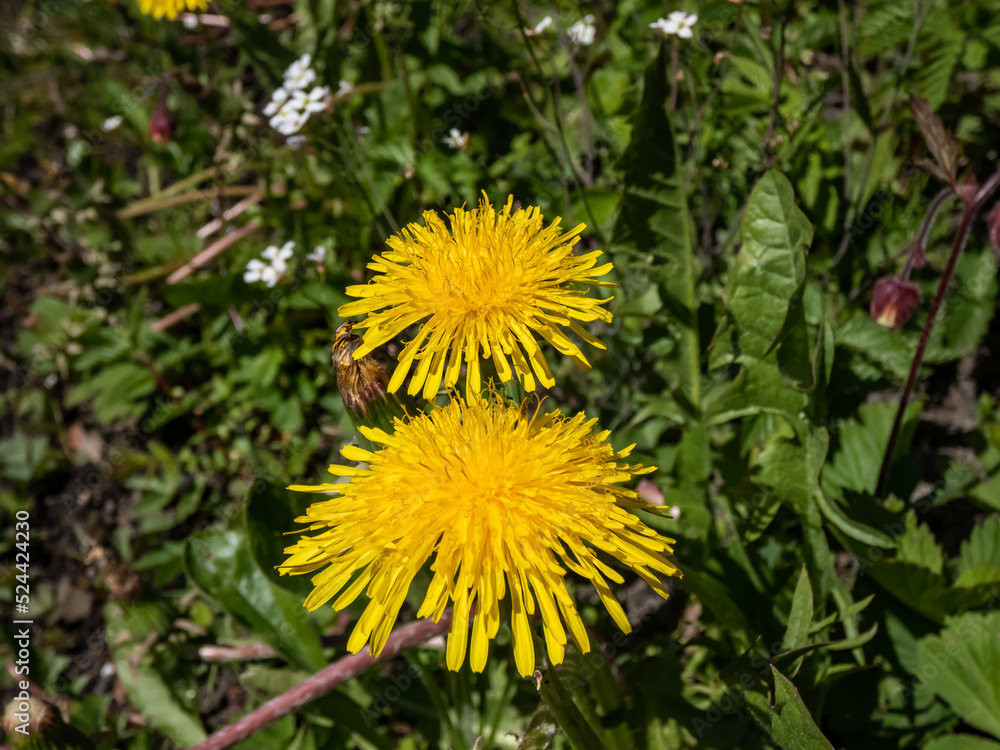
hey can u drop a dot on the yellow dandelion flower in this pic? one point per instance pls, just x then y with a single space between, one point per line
502 503
492 281
170 8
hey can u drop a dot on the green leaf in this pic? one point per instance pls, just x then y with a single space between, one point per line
919 587
961 742
758 389
654 217
965 661
270 518
791 723
863 441
863 533
982 546
145 687
222 566
935 74
917 545
770 268
800 617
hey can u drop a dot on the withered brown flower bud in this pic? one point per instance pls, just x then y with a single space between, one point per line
894 301
361 381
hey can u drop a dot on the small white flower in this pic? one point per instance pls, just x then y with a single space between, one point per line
408 171
314 101
254 271
344 88
270 275
582 32
317 255
363 131
289 120
678 22
299 74
539 27
111 123
295 142
278 99
190 21
279 256
457 139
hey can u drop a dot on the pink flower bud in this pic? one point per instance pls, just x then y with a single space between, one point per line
894 301
161 125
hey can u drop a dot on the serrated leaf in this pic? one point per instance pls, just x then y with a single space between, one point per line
965 661
935 75
792 725
770 268
917 545
863 442
982 548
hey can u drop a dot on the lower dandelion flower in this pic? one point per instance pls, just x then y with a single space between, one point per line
501 502
170 8
491 281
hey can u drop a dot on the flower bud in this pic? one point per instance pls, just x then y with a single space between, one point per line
360 381
161 125
894 301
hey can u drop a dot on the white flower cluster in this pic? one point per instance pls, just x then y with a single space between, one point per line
582 32
270 272
457 139
290 105
678 22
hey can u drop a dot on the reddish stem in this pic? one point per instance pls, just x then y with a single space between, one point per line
968 215
323 682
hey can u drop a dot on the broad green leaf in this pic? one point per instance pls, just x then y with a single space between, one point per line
770 268
792 725
221 564
270 520
796 352
965 663
759 388
654 217
800 616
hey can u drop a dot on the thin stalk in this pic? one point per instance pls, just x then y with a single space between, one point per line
845 69
566 713
968 216
321 683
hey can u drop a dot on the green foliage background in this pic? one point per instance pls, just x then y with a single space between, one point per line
750 185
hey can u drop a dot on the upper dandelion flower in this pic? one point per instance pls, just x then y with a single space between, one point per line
490 282
502 502
170 8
